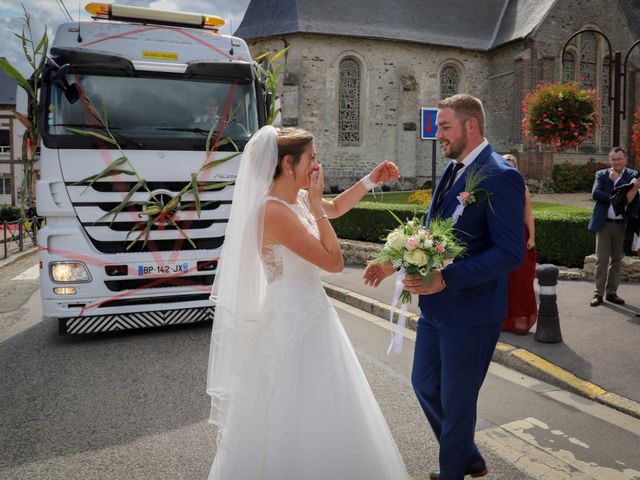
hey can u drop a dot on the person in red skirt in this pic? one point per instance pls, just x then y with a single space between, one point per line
523 307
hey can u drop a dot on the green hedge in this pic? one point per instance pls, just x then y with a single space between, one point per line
9 213
569 178
561 238
564 238
369 222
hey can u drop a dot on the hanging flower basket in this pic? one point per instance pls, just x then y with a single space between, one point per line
635 134
561 115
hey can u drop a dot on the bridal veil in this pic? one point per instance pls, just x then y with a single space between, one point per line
240 282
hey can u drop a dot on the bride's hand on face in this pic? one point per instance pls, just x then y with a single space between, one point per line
385 172
316 186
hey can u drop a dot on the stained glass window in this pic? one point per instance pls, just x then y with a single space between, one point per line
588 64
605 139
349 101
449 82
569 67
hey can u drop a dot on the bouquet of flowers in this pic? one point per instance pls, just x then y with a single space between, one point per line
561 115
417 250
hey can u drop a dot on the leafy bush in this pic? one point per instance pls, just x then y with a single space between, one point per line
421 197
9 213
569 178
561 238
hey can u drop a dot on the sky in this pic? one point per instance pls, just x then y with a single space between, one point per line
49 14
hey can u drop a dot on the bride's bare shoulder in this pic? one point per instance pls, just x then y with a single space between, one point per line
277 214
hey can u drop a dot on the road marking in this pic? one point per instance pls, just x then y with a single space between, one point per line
31 273
380 322
530 452
595 409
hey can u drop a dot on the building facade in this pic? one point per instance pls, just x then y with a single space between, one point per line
10 143
358 81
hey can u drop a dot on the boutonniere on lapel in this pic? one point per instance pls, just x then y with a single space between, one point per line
472 194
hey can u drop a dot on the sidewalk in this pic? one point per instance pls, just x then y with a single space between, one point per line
599 357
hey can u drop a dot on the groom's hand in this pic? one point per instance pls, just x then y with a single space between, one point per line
376 272
413 284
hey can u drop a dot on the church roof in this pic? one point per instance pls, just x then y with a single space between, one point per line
632 9
438 22
7 89
470 24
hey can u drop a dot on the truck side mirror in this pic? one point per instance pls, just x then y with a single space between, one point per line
71 92
268 102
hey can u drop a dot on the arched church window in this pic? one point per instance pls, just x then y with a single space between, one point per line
588 66
605 139
569 67
349 101
449 81
588 60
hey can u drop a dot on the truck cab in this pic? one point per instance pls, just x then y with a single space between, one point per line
155 88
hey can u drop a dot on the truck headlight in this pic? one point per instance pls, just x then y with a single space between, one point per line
69 272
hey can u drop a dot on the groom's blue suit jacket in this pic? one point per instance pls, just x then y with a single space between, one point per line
492 229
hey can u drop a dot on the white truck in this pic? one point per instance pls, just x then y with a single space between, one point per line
152 76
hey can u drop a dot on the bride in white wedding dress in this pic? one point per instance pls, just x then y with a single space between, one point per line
289 397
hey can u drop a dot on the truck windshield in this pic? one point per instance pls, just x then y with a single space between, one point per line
156 112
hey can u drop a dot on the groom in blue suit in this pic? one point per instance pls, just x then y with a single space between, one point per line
462 308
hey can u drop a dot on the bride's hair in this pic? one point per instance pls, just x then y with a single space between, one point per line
291 141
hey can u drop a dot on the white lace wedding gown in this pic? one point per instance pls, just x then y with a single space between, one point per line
306 411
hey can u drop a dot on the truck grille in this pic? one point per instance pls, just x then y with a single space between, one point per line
111 236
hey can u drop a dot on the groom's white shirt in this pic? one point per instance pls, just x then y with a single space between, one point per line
468 160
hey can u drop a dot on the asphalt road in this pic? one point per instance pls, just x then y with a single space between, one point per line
132 405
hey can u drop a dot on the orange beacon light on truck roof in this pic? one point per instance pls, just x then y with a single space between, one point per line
112 11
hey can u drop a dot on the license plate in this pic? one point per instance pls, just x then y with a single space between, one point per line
165 269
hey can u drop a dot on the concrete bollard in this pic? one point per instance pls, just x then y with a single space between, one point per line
548 327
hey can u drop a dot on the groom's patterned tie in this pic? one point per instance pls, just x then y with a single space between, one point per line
452 176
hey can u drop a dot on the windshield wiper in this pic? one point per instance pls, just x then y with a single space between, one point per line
192 130
111 129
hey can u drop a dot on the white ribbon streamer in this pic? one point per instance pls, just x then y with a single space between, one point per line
458 211
397 337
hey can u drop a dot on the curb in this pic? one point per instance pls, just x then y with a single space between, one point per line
513 357
17 256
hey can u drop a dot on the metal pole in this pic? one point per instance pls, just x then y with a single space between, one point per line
4 229
433 166
617 77
34 230
20 233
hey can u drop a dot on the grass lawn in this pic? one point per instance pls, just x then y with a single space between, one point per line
403 199
555 207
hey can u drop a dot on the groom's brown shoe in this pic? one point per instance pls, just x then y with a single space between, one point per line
435 474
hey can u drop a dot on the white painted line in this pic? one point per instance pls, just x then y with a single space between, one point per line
31 273
369 317
595 409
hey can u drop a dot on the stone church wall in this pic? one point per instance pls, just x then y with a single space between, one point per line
398 78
